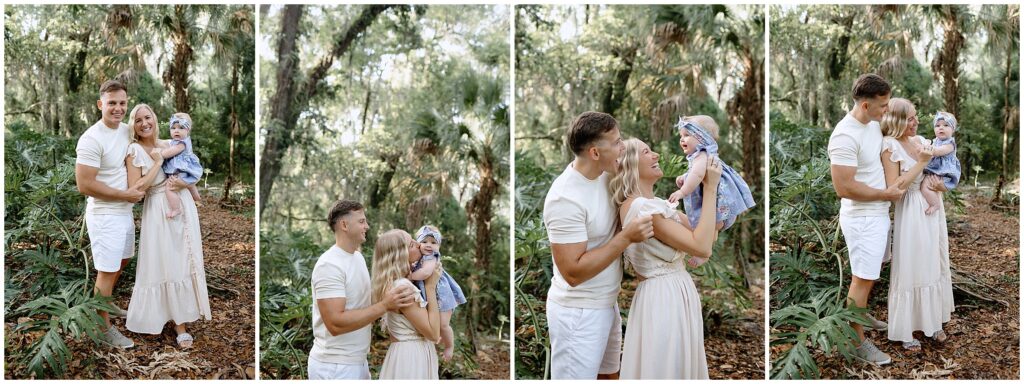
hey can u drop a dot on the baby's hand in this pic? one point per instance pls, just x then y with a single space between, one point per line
679 181
675 196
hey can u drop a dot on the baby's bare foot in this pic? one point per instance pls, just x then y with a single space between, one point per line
931 209
173 213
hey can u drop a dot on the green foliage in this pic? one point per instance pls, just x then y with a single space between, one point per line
72 313
413 123
822 323
58 55
645 65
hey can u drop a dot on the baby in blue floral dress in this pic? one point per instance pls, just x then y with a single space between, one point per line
449 294
181 162
697 138
943 171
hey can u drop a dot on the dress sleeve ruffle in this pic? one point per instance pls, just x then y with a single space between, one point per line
651 207
140 158
419 298
896 153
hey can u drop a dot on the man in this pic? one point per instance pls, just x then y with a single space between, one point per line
583 317
100 174
342 313
854 151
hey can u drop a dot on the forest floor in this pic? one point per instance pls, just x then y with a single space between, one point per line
734 346
984 338
224 347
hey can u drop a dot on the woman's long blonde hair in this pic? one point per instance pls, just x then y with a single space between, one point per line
626 182
131 122
894 121
390 262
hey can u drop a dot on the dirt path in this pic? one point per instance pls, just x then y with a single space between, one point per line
224 347
984 338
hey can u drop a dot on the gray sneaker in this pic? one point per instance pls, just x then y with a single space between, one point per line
118 312
115 339
876 324
869 353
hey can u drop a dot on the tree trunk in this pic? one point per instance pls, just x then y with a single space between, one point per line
480 211
281 122
615 92
747 111
289 101
235 126
947 62
382 186
1008 118
176 74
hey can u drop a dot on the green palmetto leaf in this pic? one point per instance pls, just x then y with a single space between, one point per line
820 324
69 313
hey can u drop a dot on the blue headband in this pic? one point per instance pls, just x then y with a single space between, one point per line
705 142
949 119
426 231
180 121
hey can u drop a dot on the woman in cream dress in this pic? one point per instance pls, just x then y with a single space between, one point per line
170 281
665 333
414 333
920 288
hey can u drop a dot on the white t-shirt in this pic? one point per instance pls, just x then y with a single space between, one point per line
859 145
340 274
578 210
106 148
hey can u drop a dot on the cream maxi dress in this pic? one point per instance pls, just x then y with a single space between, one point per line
410 356
920 288
170 281
665 330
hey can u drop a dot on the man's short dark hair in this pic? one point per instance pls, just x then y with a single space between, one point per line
340 209
112 86
587 128
869 86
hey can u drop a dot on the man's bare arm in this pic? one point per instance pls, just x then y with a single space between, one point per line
577 265
848 187
85 180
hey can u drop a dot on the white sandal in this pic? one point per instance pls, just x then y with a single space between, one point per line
914 345
185 337
940 336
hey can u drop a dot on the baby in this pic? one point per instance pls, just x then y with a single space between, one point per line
449 294
697 138
943 171
180 161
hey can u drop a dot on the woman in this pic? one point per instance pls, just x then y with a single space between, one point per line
415 330
920 289
170 281
665 332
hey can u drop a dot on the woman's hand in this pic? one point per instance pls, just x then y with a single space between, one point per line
157 157
175 183
434 277
925 154
713 174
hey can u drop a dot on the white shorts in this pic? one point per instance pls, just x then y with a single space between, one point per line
867 240
584 342
319 370
111 239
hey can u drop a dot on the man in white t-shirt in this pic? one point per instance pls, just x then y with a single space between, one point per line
854 151
342 313
583 317
100 174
